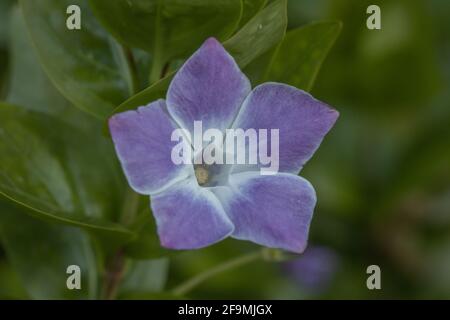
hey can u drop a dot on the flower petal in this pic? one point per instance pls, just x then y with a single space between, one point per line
142 139
302 122
189 216
209 87
274 211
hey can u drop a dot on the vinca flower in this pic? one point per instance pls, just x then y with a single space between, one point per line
196 205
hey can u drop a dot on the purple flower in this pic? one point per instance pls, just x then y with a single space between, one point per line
196 206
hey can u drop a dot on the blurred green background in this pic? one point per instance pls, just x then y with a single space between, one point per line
382 174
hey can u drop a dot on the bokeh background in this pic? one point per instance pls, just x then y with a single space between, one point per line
382 175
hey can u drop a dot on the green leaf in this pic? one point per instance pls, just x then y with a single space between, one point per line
147 244
257 70
41 252
273 22
298 58
249 9
5 8
60 172
261 33
11 286
81 63
145 276
155 91
29 86
168 29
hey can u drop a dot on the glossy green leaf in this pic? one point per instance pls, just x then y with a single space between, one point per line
40 253
168 29
79 136
145 276
298 58
59 171
81 63
262 32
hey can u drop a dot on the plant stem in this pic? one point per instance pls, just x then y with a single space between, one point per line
132 70
130 207
190 284
113 276
157 58
155 71
115 266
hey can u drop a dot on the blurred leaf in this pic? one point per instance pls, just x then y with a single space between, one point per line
29 86
373 67
168 29
424 160
145 276
147 244
249 9
335 171
405 40
262 32
5 7
298 58
436 268
41 252
63 174
81 63
11 287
